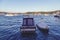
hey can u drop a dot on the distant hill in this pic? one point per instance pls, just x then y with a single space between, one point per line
40 12
49 12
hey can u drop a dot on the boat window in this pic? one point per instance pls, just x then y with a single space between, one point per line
24 22
28 22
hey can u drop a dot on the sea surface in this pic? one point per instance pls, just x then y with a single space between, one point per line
10 28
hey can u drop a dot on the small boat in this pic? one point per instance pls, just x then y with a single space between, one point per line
28 26
43 27
57 16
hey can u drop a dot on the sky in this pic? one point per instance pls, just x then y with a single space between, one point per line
29 5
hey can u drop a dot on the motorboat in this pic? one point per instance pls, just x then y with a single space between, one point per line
43 27
57 15
28 26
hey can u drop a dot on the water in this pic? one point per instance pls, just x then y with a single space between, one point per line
10 28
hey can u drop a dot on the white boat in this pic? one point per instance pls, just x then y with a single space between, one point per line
43 27
9 15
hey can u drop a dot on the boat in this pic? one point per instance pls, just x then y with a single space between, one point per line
9 15
43 27
57 16
28 26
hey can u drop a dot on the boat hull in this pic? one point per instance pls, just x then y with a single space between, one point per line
45 30
28 29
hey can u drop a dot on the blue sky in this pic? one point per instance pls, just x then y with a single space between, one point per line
29 5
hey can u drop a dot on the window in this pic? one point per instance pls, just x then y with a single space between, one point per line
28 22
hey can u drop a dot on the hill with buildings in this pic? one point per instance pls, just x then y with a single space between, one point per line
41 12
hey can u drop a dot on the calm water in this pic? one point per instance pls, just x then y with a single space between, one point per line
10 28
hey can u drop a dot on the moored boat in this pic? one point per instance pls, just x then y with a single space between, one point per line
28 26
57 16
43 27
